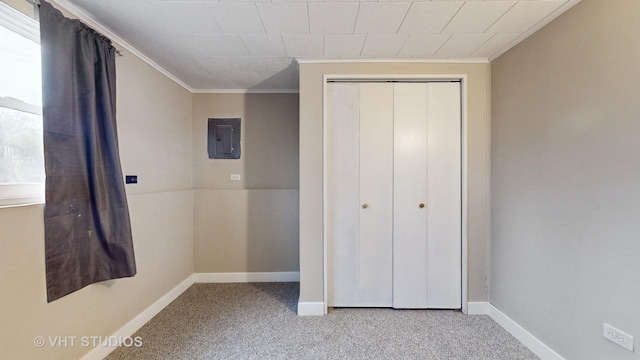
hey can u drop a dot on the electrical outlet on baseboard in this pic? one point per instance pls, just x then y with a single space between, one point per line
617 336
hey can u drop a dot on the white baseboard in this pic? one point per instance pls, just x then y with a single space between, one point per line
100 352
478 308
309 308
292 276
526 338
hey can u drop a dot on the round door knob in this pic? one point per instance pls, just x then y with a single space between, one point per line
364 206
421 205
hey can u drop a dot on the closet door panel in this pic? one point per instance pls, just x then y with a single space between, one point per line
390 148
410 191
343 196
376 194
444 191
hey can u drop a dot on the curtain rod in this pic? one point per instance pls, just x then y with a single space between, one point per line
119 53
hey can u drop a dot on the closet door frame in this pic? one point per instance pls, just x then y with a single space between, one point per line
463 171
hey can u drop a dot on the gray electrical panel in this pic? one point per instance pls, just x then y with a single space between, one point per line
224 138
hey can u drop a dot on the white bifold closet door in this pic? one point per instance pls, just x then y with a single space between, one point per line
394 195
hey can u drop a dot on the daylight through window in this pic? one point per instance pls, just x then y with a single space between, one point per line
21 150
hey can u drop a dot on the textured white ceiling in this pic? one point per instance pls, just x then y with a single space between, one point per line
252 44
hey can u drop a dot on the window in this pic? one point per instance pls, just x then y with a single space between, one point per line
21 150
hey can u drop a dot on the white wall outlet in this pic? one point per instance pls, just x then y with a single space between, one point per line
619 337
235 177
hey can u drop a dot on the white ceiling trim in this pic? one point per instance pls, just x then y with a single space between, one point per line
559 11
245 91
433 61
87 19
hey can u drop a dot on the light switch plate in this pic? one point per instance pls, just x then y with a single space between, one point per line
235 177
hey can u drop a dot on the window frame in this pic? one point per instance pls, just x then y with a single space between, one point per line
27 193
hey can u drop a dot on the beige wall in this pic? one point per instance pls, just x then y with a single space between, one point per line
21 5
311 227
154 126
249 225
565 172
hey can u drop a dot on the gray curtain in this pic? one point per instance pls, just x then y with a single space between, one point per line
87 228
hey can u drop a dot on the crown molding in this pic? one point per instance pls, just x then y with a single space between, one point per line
89 20
245 91
429 61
